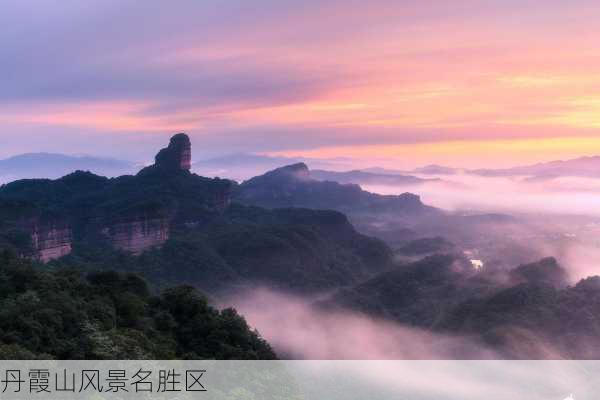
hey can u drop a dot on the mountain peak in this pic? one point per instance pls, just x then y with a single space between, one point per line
299 170
177 156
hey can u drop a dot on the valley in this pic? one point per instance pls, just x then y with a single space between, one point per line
327 249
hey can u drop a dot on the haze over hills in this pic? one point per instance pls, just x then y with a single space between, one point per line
527 312
368 178
294 186
242 166
588 167
396 219
466 274
434 169
53 165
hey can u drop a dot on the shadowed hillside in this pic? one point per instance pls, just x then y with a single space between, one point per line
293 186
176 227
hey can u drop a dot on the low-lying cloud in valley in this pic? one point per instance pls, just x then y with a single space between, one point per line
564 195
558 217
299 329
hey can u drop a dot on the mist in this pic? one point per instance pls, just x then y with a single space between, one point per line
298 328
556 217
565 195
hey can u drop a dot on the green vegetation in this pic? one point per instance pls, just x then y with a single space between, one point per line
425 246
78 307
212 246
84 198
417 294
293 249
65 314
527 312
565 320
292 186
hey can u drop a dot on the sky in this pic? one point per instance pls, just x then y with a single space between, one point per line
394 83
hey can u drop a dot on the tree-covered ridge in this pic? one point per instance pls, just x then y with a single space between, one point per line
83 195
66 314
207 248
527 312
291 249
293 186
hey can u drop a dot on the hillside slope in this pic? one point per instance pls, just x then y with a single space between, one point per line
176 227
293 186
64 314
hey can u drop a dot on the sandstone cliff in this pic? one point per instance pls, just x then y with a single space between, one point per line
137 236
50 241
134 213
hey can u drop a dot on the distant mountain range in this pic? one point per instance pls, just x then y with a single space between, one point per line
587 167
432 169
242 166
295 186
52 166
368 178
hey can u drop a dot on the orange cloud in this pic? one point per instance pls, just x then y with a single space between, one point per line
478 77
112 116
463 153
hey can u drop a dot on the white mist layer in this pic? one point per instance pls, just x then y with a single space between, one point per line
543 208
299 330
568 195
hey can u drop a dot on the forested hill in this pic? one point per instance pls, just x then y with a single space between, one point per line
175 227
62 241
68 314
294 186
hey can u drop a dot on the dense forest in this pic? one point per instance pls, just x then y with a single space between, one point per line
65 313
530 311
295 250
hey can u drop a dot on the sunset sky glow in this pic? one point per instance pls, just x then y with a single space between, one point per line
394 83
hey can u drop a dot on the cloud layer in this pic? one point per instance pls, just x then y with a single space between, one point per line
283 76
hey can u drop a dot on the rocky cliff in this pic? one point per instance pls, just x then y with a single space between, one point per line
135 213
137 236
48 239
51 242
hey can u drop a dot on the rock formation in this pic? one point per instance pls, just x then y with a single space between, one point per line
137 236
177 156
50 241
134 213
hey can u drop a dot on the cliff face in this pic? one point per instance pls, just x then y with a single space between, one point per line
134 212
137 236
50 241
172 196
